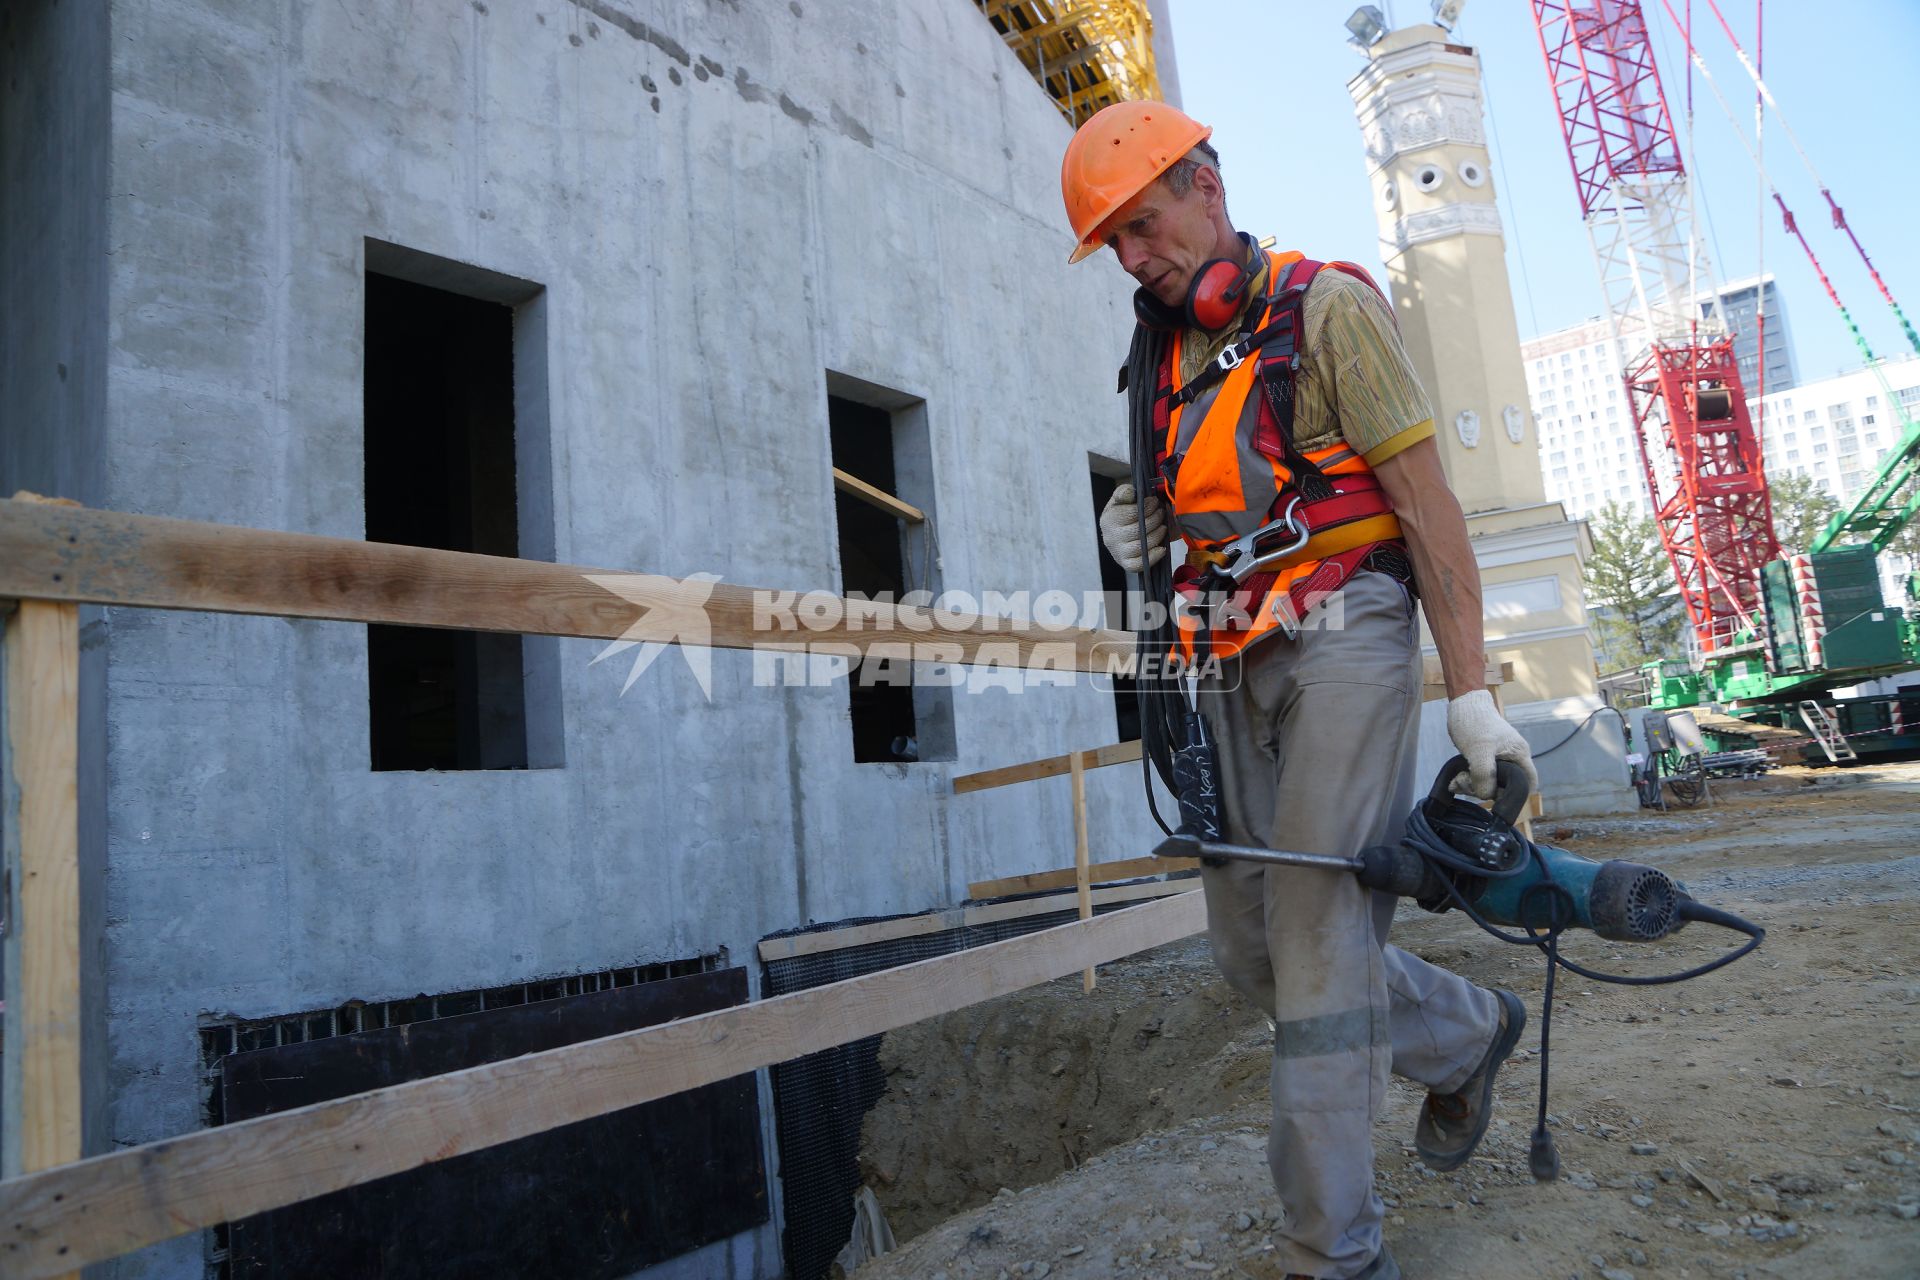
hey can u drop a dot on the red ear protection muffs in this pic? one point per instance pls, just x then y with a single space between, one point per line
1213 298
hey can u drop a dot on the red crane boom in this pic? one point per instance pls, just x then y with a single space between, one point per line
1698 447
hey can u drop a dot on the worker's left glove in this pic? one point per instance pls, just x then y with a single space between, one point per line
1482 735
1120 526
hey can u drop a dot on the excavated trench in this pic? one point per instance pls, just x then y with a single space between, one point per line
1015 1091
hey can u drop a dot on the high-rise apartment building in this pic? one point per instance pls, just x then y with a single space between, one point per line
1574 384
1834 429
1740 306
1587 453
1837 430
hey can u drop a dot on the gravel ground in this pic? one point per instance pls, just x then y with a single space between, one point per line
1763 1121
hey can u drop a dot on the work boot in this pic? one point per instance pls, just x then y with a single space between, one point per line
1383 1267
1452 1124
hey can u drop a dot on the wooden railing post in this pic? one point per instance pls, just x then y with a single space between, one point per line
39 771
1082 876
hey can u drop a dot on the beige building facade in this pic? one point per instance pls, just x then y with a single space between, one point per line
1422 119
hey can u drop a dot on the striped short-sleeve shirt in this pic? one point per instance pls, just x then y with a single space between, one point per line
1355 381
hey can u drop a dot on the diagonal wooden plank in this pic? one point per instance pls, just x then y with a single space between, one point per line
96 1209
104 557
1065 877
860 935
1050 767
854 487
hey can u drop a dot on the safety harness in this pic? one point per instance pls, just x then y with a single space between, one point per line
1240 469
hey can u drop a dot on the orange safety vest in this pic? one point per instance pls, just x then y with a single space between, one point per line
1227 465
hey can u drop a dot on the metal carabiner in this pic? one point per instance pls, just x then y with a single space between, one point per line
1258 551
1248 554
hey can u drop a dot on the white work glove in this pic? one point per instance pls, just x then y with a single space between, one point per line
1482 735
1120 529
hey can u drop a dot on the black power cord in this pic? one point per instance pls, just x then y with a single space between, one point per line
1575 731
1431 842
1162 696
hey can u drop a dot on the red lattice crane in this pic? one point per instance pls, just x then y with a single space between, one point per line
1699 449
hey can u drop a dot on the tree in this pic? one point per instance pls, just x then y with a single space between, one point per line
1801 509
1631 591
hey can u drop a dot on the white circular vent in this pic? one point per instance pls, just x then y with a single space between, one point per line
1429 177
1389 195
1472 173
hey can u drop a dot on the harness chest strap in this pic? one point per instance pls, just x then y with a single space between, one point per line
1339 501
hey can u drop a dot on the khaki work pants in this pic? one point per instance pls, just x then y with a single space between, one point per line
1316 739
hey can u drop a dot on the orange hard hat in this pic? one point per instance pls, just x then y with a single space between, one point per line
1115 155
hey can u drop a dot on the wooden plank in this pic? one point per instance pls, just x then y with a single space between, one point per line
1068 21
41 782
1051 767
1066 877
56 1220
988 912
860 935
874 496
104 557
42 762
1082 879
1433 680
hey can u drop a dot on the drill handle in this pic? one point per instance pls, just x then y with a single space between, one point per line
1400 870
1510 789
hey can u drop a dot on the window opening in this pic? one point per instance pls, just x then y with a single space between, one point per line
879 443
455 459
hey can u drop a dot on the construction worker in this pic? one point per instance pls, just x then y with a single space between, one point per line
1283 385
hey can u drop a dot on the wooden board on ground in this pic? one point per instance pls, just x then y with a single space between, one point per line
1099 873
104 557
77 1214
1051 767
1763 735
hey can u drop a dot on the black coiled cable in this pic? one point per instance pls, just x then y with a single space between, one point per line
1161 696
1430 842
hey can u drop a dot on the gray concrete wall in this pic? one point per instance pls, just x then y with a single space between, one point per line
722 204
54 110
1583 773
1166 63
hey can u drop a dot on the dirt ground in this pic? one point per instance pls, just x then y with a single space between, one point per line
1763 1121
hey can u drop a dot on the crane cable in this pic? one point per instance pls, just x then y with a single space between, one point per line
1759 235
1793 228
1839 214
1902 418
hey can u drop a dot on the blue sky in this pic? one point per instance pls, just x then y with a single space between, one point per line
1842 70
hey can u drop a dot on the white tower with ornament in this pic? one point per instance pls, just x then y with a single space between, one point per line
1422 118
